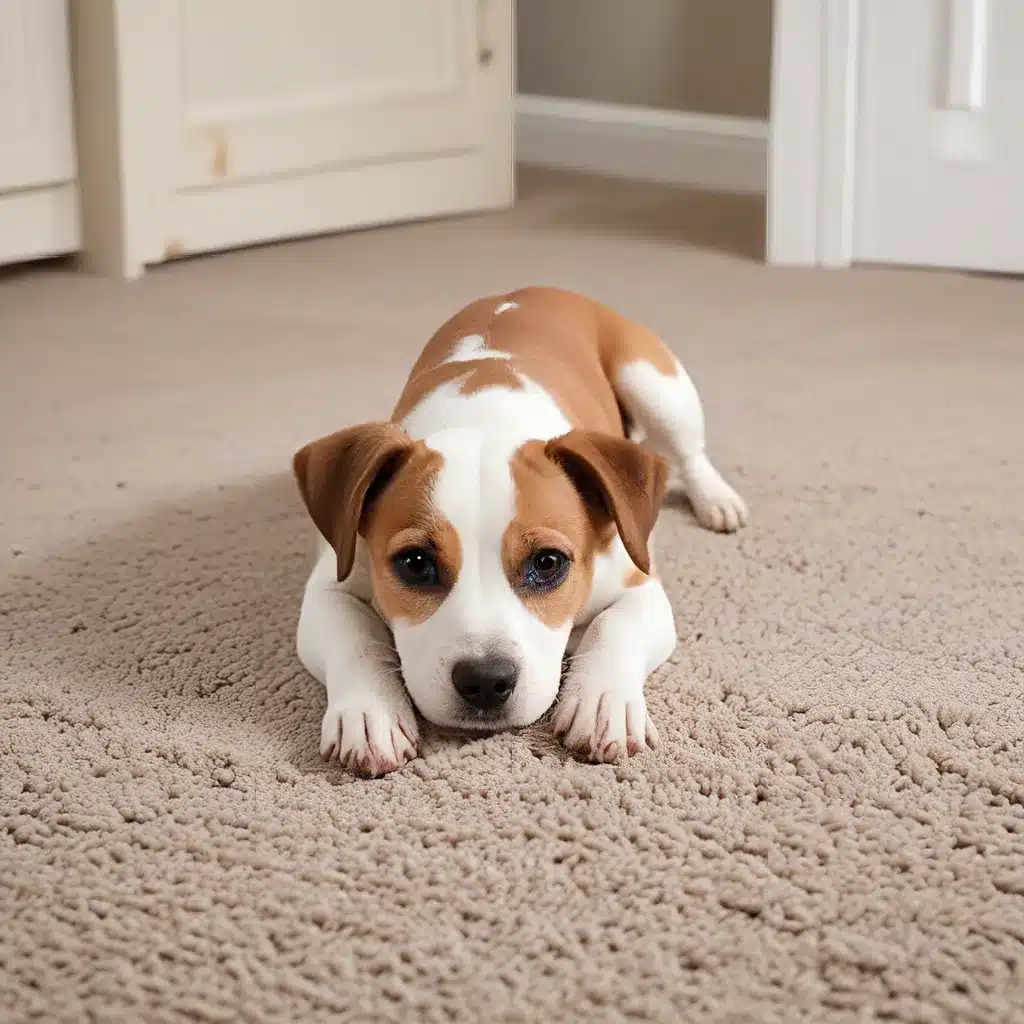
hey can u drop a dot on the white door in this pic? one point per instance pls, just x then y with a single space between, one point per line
940 153
249 120
38 203
897 133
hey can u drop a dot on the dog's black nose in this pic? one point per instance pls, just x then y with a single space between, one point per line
485 683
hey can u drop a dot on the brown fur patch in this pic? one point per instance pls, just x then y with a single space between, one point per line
635 578
550 513
339 474
477 374
617 476
570 345
619 340
402 517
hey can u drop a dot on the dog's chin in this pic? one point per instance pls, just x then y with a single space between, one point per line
473 725
485 723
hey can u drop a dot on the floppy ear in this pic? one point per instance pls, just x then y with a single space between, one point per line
626 481
340 474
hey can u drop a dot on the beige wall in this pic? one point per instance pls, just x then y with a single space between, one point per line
711 56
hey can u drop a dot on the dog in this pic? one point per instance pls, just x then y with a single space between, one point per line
495 535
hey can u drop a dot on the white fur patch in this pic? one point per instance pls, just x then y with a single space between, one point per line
528 412
482 614
670 412
610 568
474 346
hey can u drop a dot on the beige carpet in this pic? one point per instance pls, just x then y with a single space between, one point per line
834 826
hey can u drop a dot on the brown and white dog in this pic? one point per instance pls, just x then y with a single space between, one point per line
499 524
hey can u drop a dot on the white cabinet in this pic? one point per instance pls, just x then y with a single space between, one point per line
231 122
38 195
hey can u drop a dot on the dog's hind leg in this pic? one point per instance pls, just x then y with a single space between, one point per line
659 398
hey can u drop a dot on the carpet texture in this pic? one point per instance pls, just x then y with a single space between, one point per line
833 828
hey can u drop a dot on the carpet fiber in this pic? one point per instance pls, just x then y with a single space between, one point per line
833 828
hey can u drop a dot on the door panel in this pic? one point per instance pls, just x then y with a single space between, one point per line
940 141
36 141
335 83
358 50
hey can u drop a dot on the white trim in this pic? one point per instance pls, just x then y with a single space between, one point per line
680 148
794 143
838 128
812 150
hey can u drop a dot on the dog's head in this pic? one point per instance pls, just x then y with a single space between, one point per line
481 554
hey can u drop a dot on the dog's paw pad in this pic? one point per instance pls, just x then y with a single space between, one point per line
723 515
369 742
715 504
604 725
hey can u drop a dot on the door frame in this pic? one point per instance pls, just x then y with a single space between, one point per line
812 148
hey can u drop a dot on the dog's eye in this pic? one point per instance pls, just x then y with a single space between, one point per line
547 568
416 567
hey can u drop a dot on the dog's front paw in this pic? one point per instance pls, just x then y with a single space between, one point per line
715 504
723 513
603 724
372 740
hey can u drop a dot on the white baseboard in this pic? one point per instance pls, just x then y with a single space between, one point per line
728 154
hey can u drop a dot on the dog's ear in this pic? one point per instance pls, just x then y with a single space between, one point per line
619 478
341 474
